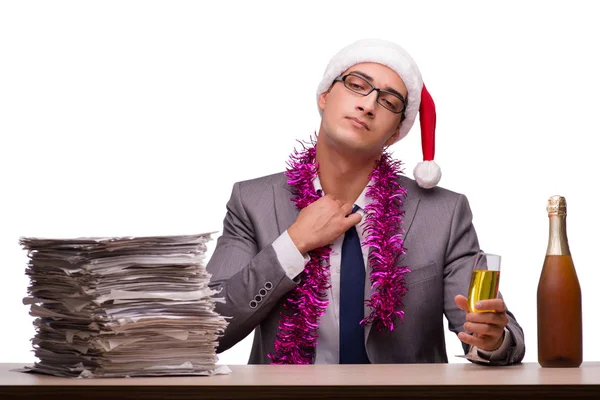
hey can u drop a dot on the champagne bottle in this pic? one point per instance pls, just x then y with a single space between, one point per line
559 297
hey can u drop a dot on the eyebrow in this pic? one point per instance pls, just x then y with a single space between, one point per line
370 79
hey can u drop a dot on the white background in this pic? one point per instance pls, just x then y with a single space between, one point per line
136 118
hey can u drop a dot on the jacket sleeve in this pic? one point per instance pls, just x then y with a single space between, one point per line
461 249
250 280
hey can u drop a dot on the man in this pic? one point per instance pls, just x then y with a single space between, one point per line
343 259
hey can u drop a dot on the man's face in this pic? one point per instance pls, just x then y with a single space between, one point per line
357 123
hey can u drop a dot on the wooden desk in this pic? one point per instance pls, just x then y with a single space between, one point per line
464 381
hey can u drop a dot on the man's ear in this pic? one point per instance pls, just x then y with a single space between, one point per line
322 100
394 137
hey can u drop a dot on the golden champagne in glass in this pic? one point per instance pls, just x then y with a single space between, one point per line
484 286
485 279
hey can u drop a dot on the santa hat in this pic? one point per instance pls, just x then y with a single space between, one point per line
427 173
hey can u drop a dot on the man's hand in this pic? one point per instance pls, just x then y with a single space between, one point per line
489 326
321 223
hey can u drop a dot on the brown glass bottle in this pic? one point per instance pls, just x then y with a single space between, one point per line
559 297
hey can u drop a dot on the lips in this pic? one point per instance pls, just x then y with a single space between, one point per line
358 121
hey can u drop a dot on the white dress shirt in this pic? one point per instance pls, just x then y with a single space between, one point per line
293 263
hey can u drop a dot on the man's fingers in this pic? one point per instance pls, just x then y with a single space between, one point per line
352 219
347 209
488 343
461 302
484 329
470 339
331 198
491 318
492 304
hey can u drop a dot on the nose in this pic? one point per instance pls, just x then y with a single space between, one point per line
366 104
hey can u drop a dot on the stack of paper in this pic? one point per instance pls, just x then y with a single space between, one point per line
132 306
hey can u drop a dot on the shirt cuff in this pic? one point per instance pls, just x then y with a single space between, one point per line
501 352
288 255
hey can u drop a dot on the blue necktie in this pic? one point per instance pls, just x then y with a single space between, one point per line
352 289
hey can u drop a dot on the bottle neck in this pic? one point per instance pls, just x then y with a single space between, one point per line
558 244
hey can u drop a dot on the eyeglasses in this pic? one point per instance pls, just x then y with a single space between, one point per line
390 101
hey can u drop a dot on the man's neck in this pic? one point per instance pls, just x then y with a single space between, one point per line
342 175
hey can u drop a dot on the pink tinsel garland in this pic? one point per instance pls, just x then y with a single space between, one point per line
297 337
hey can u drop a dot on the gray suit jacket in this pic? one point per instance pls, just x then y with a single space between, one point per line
440 243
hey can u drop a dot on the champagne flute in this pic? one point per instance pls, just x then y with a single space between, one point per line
484 286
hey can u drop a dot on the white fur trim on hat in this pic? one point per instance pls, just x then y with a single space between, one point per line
382 52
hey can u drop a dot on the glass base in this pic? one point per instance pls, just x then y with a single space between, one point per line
473 357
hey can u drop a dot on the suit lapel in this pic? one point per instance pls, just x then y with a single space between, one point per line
285 209
410 209
409 214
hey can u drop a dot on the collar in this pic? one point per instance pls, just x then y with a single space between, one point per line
362 199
